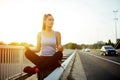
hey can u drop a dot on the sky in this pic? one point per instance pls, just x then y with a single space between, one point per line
79 21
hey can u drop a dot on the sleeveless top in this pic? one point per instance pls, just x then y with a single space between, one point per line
48 45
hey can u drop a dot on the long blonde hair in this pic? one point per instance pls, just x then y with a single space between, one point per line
44 18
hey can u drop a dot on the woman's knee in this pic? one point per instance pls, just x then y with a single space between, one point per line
58 55
27 53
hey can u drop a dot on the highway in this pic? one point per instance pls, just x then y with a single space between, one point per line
98 67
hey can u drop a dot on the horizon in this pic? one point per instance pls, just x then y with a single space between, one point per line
102 42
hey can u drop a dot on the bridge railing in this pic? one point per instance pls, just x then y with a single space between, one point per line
11 61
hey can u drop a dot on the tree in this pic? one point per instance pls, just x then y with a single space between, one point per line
2 43
110 43
71 46
14 43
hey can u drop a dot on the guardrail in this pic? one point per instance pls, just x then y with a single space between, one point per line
11 60
57 73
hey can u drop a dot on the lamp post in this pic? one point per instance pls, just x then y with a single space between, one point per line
115 19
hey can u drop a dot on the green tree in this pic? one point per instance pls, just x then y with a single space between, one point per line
110 43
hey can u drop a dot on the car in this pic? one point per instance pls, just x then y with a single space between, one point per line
108 50
87 50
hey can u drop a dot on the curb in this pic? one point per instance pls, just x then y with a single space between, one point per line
77 72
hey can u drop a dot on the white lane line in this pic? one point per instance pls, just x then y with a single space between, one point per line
106 59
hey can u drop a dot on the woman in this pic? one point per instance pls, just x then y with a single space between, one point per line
49 48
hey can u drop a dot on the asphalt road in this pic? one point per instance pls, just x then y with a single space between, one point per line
98 67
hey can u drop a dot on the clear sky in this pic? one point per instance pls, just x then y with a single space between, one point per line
79 21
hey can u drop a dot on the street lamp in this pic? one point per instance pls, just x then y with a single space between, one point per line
116 19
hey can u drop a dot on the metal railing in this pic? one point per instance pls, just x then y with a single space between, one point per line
11 61
57 73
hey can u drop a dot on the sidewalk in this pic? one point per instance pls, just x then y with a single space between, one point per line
77 71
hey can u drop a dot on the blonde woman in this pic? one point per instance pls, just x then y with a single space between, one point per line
48 46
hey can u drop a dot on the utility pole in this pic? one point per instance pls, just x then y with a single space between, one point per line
115 19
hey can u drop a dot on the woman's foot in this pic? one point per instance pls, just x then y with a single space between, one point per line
36 69
30 70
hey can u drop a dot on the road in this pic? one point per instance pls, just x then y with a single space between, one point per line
98 67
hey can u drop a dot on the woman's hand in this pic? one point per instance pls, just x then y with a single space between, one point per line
60 48
26 47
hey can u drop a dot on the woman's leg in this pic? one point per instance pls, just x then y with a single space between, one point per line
40 61
58 56
56 60
43 62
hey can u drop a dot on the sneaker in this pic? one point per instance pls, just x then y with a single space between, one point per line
29 70
35 68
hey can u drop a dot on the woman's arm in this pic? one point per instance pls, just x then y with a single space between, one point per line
38 47
58 42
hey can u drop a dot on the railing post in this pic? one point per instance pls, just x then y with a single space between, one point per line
11 58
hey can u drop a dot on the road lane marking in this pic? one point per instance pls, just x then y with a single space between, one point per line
106 59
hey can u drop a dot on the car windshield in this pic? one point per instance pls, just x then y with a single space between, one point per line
109 47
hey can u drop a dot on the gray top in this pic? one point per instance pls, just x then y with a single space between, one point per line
48 45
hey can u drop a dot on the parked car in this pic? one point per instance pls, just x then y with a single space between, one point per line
108 50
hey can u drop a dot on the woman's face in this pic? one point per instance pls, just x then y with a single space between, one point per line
49 21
